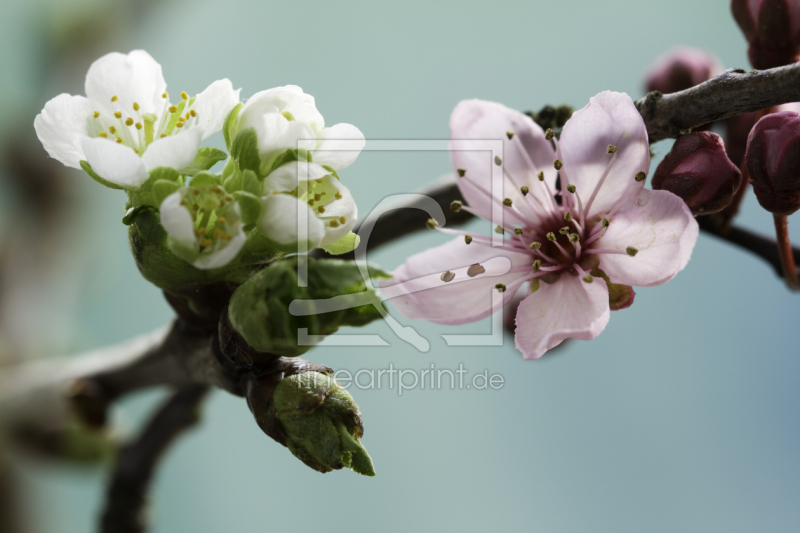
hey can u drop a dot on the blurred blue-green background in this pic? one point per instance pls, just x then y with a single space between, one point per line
684 415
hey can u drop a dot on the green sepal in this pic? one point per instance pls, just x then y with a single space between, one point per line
346 244
92 174
204 179
259 309
132 213
249 205
229 124
162 189
332 172
143 194
246 181
204 160
288 156
244 151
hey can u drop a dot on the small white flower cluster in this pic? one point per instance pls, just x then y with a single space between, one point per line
127 134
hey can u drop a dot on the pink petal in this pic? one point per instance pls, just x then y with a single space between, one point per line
609 119
569 308
464 299
660 226
478 119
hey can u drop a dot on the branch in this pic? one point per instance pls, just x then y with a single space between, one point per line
136 462
731 93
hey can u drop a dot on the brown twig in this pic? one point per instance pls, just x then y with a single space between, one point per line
731 93
136 462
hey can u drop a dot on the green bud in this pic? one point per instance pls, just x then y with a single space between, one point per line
316 418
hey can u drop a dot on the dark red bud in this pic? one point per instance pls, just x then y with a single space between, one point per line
772 28
682 68
698 170
773 161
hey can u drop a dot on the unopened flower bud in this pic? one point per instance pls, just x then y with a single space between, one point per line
313 416
681 68
772 28
773 161
698 170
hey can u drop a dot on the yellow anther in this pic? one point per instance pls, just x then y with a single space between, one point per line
184 95
338 196
317 197
118 140
129 121
193 113
96 114
112 129
334 224
103 134
135 106
117 114
321 209
181 119
164 95
319 180
163 135
187 115
138 125
172 108
179 125
114 98
342 220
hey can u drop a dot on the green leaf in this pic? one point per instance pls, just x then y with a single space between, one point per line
333 172
229 124
204 160
346 244
259 309
250 206
289 156
250 183
88 169
204 179
245 150
162 189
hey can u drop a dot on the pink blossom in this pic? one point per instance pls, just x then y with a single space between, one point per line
607 230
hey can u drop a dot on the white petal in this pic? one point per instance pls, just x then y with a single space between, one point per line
569 308
62 119
343 153
224 255
290 98
276 134
175 151
280 220
214 104
134 77
335 209
418 291
177 221
285 178
113 162
661 228
609 119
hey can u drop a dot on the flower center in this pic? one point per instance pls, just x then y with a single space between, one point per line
138 130
214 214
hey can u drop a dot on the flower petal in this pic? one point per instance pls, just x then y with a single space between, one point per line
337 209
175 151
418 291
609 119
213 105
177 221
62 119
290 98
223 255
568 308
285 177
478 119
345 153
113 162
280 220
134 77
660 227
276 134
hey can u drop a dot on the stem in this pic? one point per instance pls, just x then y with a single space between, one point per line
136 462
732 209
785 251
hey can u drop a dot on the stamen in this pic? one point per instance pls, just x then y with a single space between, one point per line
447 276
321 209
499 230
600 183
431 223
551 236
540 175
500 287
193 113
184 95
640 176
537 264
568 216
535 245
587 278
524 190
138 125
164 95
172 108
117 114
334 223
114 98
549 134
498 161
574 237
118 140
510 135
467 239
342 220
179 125
96 114
564 230
103 134
129 121
517 231
631 251
461 172
611 149
571 188
507 202
135 106
456 206
338 196
475 270
558 164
